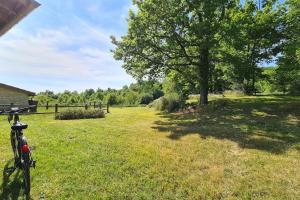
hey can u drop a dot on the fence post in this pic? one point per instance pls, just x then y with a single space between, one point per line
56 108
47 105
107 107
86 106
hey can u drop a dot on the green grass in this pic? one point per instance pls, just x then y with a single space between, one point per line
249 149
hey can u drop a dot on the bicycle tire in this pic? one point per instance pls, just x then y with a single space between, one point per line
25 166
26 178
13 143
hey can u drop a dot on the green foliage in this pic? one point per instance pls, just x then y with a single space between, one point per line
146 99
288 72
111 99
142 92
266 83
173 35
71 114
213 45
132 98
159 104
169 103
175 83
98 96
254 35
175 102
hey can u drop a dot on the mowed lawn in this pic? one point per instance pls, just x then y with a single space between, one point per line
247 149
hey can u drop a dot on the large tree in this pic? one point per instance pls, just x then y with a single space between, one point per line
174 35
288 72
254 35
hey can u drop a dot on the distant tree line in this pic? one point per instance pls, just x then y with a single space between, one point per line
142 92
169 93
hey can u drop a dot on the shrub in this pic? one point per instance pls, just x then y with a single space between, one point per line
70 114
169 103
160 104
174 102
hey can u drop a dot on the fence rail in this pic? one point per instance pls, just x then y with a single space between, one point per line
94 105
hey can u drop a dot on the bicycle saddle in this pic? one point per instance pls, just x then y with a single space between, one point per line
19 126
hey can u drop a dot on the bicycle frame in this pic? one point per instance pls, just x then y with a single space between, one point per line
18 142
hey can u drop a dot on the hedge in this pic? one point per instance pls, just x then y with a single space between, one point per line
70 114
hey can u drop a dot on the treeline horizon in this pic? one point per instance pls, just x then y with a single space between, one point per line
144 92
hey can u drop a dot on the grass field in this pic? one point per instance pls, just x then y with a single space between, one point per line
249 149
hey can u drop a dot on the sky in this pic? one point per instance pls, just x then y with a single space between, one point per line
65 45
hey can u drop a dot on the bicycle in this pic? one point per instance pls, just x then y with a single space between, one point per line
22 152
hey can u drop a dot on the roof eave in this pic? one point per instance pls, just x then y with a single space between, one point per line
18 89
19 17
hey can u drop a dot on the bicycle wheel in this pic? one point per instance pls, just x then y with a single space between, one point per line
26 178
13 142
25 156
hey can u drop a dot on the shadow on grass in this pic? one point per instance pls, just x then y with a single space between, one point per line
11 189
265 124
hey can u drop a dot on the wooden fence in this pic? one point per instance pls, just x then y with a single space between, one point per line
57 107
94 105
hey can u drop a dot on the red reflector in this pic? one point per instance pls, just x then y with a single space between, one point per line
25 149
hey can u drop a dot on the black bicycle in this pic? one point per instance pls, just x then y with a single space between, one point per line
19 144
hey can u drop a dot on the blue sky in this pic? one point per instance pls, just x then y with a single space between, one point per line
65 44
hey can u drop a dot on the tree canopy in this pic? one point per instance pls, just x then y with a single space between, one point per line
173 35
210 44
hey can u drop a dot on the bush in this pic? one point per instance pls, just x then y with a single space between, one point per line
159 104
169 103
70 114
175 102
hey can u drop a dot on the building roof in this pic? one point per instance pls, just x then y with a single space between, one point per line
13 11
17 89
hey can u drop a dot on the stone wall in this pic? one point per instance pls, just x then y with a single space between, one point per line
8 96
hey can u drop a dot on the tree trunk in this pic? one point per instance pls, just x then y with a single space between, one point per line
204 76
253 82
203 96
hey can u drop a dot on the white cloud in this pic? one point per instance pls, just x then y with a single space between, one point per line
63 55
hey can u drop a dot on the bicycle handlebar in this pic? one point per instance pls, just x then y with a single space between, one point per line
16 110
